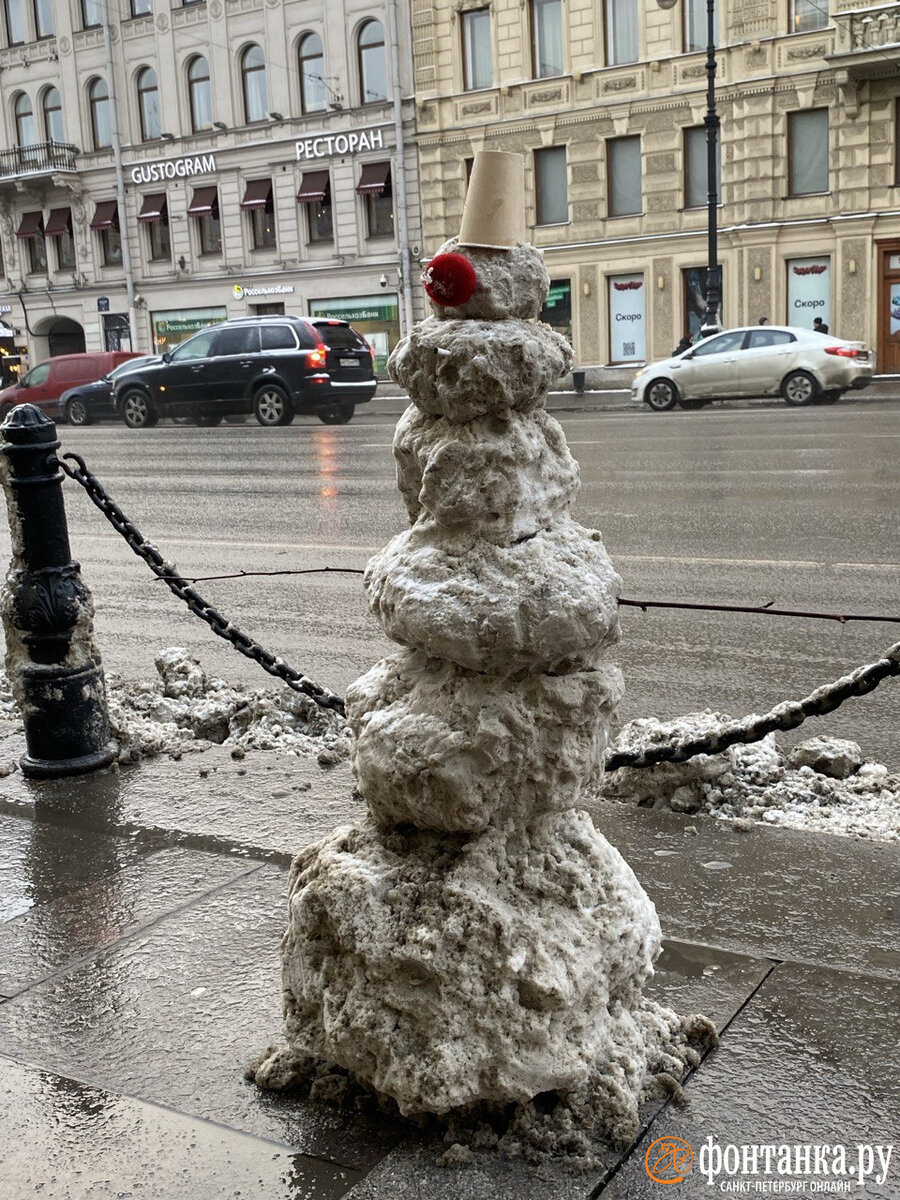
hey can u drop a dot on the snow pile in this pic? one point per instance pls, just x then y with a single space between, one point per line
821 784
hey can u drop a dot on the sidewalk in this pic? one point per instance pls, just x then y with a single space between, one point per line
140 916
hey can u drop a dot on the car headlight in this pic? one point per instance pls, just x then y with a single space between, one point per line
639 374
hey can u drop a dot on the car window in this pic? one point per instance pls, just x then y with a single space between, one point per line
768 337
37 374
278 337
716 345
340 335
238 339
195 347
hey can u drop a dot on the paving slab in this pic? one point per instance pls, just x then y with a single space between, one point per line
65 1140
265 804
774 893
811 1060
171 1014
57 932
42 862
689 978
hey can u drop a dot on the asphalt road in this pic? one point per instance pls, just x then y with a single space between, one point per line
797 508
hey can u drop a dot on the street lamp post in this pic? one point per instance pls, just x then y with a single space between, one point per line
711 121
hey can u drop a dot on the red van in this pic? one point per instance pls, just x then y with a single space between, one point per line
45 383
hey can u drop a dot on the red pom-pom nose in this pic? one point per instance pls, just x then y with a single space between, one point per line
450 279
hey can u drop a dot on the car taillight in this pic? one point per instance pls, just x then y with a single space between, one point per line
318 356
371 350
842 351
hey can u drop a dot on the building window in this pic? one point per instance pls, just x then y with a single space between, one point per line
546 37
808 14
59 228
91 13
101 126
26 130
155 215
140 8
204 209
31 230
627 338
44 25
106 223
200 94
260 207
557 309
372 63
375 188
312 74
478 67
808 152
315 196
253 77
621 32
551 186
53 117
148 104
696 22
693 287
14 11
696 180
623 176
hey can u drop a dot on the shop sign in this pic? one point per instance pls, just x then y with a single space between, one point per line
247 293
627 339
359 308
173 326
340 143
103 304
809 291
5 308
174 168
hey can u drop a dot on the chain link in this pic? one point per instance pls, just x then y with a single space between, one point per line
787 715
223 628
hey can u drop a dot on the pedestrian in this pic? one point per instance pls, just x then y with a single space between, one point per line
763 320
684 344
819 326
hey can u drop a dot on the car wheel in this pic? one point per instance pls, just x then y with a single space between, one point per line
77 412
661 395
272 406
338 414
207 420
799 388
137 411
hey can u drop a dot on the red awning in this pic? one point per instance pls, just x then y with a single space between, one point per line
32 225
106 215
313 187
205 201
153 208
374 178
60 222
257 194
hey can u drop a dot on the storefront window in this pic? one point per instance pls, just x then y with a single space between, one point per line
376 318
627 321
170 328
808 291
693 281
557 310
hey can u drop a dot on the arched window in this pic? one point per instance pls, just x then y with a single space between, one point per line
200 94
148 104
26 131
54 129
312 74
101 126
372 63
253 76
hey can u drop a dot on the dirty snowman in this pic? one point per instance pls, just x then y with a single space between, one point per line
473 943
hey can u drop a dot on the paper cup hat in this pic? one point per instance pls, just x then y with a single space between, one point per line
494 212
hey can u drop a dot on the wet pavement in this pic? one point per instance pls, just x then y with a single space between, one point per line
140 918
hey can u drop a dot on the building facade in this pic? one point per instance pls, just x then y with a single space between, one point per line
172 164
607 99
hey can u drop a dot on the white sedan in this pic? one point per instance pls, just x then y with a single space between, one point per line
758 360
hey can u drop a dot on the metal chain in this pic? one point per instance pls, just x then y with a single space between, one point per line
241 641
787 715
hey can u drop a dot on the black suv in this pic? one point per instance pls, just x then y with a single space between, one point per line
273 366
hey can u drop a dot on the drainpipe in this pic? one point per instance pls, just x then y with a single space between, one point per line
400 174
120 175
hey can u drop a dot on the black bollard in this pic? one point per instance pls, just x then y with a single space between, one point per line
52 660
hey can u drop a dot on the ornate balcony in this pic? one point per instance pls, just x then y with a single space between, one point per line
867 42
41 158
